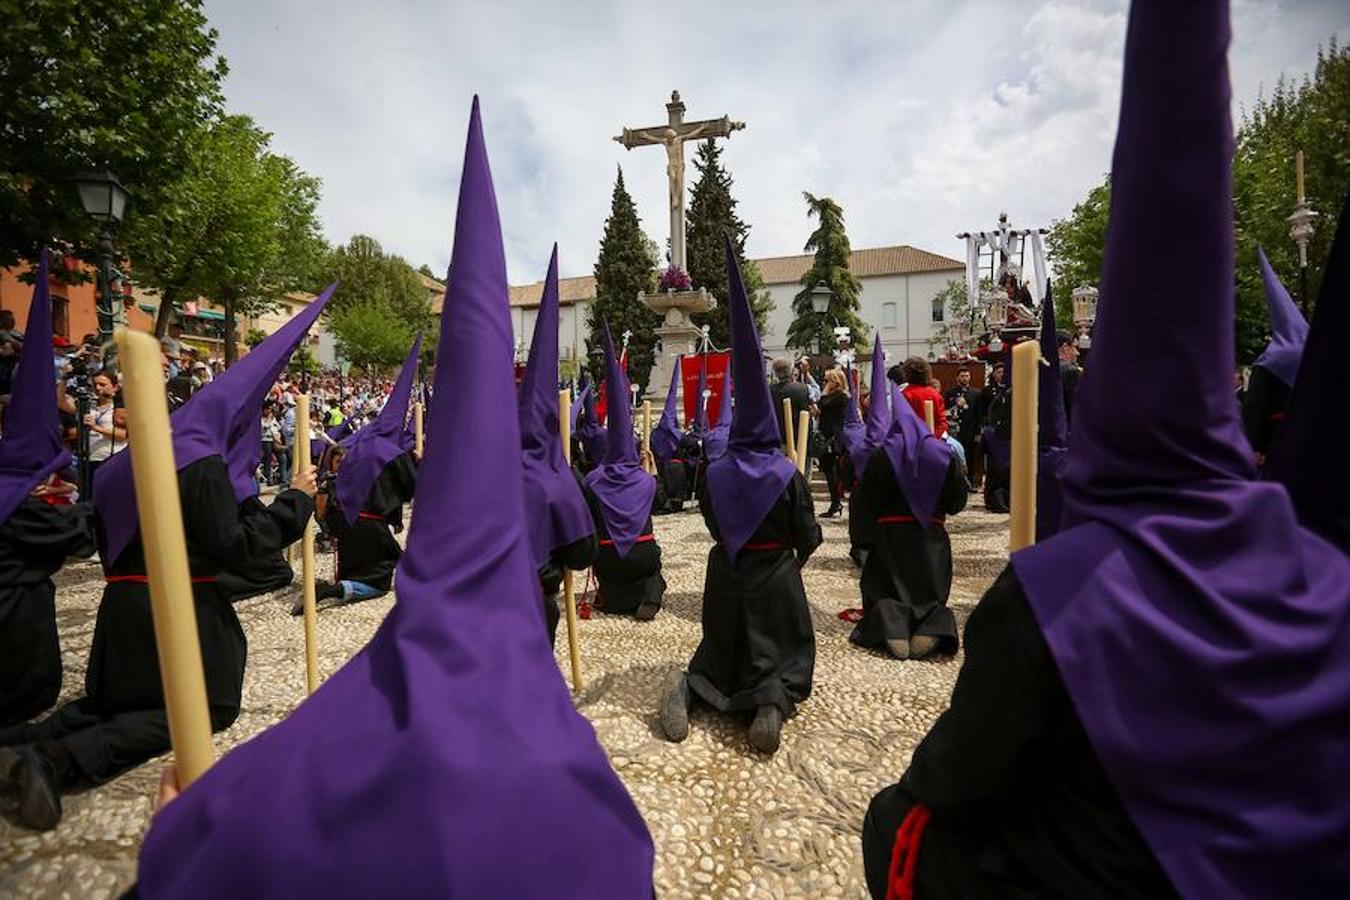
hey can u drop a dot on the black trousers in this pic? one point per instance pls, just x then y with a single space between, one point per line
86 749
948 864
829 467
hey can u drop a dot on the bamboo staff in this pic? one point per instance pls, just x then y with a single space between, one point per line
789 442
647 436
569 588
161 521
300 462
1022 529
418 434
928 416
803 432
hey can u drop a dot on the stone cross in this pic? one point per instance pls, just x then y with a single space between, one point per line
672 136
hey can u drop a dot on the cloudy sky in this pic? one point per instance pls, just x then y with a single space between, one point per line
922 118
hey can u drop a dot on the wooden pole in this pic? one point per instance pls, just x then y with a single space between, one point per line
569 587
301 463
418 433
928 416
165 547
647 435
1022 529
803 432
789 443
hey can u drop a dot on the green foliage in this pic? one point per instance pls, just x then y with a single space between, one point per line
240 224
426 270
1312 116
811 330
1076 245
254 337
369 335
380 304
711 214
302 362
124 85
626 267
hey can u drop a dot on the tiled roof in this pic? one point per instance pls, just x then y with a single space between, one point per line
901 259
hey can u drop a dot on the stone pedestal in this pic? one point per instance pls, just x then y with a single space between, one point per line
676 334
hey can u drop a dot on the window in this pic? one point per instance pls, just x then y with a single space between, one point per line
61 316
888 315
939 310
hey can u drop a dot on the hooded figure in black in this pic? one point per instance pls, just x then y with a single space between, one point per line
121 722
911 484
39 526
621 497
758 651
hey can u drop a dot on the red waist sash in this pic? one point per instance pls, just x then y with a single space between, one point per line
371 516
896 520
766 545
644 539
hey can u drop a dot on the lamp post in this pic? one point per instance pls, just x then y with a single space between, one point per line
105 201
1084 313
1301 231
821 295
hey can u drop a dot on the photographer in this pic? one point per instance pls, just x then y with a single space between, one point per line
107 433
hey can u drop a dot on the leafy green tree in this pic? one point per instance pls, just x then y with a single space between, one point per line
254 337
712 213
241 227
1076 245
368 275
811 330
961 320
369 335
626 267
302 362
1312 116
124 85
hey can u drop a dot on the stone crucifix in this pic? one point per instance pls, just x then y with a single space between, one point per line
672 136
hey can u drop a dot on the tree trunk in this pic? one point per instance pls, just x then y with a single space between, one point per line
167 305
231 333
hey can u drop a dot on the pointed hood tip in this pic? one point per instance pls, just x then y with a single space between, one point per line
755 424
1288 328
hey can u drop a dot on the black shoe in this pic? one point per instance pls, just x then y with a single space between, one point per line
675 706
647 610
766 729
832 512
28 794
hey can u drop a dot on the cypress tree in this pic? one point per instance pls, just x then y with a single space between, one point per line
810 330
712 213
625 267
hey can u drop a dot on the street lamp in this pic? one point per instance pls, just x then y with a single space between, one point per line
821 295
105 201
1301 230
1084 313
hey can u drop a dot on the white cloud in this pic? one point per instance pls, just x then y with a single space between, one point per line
922 119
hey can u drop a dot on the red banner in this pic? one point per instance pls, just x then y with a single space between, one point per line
717 383
602 396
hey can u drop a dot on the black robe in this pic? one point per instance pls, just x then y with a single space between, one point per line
623 583
674 479
1020 805
34 543
759 647
120 722
576 556
366 549
255 577
1263 408
908 573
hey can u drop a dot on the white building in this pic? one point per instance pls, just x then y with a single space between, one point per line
899 287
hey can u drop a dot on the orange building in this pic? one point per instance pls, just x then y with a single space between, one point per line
74 312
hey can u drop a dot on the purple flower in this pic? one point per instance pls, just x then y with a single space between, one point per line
675 279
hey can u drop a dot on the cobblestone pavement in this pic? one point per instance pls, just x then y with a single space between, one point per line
727 821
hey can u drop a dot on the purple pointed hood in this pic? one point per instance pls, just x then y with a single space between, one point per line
556 513
31 449
456 696
716 439
879 412
745 483
919 458
1307 454
222 419
588 428
583 395
624 490
1052 427
666 436
1175 567
1288 328
378 443
854 429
